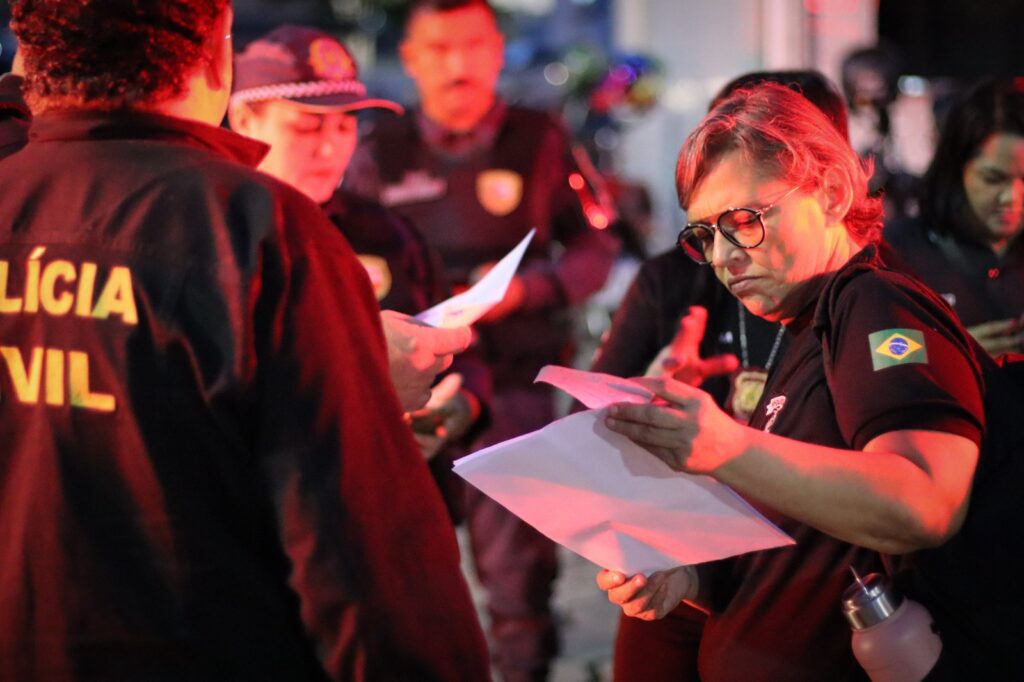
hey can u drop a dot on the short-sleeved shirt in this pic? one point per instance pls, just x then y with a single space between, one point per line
897 359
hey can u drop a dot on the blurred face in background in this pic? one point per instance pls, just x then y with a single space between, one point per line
310 149
994 185
455 58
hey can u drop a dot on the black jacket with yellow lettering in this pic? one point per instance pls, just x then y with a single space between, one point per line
199 445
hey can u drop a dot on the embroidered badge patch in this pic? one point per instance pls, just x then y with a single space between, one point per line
379 272
892 347
329 61
499 191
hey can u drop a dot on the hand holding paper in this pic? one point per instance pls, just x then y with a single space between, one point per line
606 498
650 597
685 429
416 353
472 304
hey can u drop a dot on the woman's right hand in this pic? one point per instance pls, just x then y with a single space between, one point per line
681 359
1000 336
651 597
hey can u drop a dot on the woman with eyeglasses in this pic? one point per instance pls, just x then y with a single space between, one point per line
678 320
866 437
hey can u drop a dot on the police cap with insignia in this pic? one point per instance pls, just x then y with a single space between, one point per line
305 66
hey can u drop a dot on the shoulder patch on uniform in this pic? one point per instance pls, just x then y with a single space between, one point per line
892 347
379 272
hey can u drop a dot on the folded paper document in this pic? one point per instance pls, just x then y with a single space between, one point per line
473 303
606 498
593 389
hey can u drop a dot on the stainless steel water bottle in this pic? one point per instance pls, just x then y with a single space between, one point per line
893 638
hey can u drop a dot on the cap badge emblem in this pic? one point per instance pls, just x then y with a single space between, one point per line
329 60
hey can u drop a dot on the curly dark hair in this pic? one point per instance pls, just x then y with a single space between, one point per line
989 107
112 54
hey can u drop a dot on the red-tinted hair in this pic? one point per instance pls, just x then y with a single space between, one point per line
111 54
784 135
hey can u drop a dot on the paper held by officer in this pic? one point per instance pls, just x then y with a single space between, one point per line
606 498
472 304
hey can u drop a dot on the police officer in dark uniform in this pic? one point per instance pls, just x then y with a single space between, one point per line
866 437
297 90
475 175
196 412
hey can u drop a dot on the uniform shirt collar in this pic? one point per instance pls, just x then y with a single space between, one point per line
818 312
138 125
452 143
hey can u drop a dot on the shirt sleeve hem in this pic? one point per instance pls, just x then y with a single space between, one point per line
923 418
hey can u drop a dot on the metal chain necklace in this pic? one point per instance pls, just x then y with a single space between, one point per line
748 382
744 353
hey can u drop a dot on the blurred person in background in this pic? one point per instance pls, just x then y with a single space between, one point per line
966 244
870 80
475 175
197 416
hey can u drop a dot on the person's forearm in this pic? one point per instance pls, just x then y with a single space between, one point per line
879 500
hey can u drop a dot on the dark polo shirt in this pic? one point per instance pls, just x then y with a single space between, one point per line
897 359
473 198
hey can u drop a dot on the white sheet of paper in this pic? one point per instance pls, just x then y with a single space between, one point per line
604 497
593 389
473 303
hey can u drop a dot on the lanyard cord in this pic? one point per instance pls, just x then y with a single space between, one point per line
745 353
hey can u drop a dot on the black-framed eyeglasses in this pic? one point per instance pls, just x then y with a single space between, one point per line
742 227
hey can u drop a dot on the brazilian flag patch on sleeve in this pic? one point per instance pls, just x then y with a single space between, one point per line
891 347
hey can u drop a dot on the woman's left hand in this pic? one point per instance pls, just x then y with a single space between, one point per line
688 431
651 597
